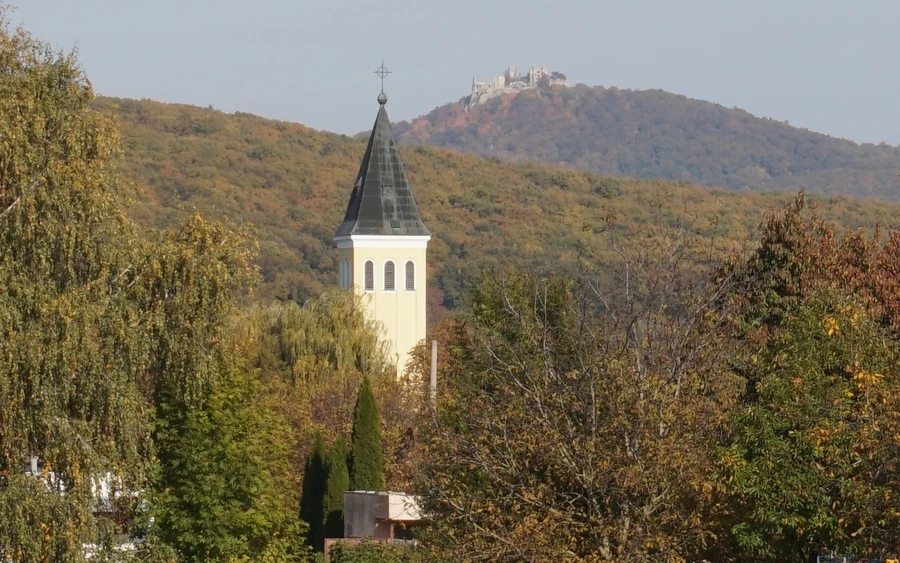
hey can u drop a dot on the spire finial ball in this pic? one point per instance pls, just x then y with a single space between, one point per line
382 98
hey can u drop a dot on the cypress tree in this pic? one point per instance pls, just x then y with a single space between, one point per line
312 507
366 472
337 483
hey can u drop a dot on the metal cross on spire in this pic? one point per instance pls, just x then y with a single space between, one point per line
382 72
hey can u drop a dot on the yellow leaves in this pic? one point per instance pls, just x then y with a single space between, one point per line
865 379
853 312
893 514
820 436
733 460
831 326
849 313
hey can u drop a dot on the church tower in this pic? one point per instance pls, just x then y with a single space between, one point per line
382 242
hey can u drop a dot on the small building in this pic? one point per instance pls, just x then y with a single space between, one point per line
380 515
387 517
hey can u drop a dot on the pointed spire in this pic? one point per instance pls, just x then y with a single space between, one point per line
382 201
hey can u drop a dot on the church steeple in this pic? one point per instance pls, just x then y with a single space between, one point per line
382 201
382 242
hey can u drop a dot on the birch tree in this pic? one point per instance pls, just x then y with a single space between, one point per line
101 330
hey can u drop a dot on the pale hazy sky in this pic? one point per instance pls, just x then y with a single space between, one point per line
829 65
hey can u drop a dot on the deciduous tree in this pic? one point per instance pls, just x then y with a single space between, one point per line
221 489
808 462
103 331
580 420
72 332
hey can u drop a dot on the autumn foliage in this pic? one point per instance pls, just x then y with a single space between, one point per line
657 134
745 415
291 184
646 378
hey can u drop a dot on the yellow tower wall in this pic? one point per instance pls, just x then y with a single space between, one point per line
401 311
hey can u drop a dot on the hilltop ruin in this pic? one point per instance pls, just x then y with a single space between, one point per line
511 82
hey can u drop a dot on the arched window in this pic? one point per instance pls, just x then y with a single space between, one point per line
389 276
410 276
370 275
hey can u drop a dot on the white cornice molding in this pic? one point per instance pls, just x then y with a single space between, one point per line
382 241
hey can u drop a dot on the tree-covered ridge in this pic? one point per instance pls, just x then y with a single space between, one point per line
292 184
655 134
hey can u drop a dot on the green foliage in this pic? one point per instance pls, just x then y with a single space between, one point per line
337 483
809 461
75 351
655 134
313 359
326 341
369 551
800 454
312 503
198 271
220 497
105 335
366 464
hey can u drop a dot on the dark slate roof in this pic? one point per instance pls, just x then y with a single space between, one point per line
382 201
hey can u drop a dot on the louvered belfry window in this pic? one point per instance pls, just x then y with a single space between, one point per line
410 276
370 276
389 276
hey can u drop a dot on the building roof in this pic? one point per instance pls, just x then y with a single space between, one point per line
382 201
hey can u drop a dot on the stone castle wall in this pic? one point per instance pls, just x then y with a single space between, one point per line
512 81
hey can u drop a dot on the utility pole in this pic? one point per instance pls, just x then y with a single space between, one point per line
433 370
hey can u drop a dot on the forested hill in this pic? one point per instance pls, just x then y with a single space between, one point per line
655 134
292 184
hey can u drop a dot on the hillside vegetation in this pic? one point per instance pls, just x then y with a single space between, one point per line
655 134
634 412
292 183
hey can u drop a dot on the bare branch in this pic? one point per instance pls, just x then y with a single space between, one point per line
10 208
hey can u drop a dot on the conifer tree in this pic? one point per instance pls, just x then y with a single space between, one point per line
367 472
313 496
338 482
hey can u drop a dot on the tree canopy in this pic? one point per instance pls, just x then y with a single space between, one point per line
337 483
366 465
656 134
747 415
664 392
292 183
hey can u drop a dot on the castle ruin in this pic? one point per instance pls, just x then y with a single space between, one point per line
512 82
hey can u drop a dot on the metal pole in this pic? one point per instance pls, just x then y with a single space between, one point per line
433 369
